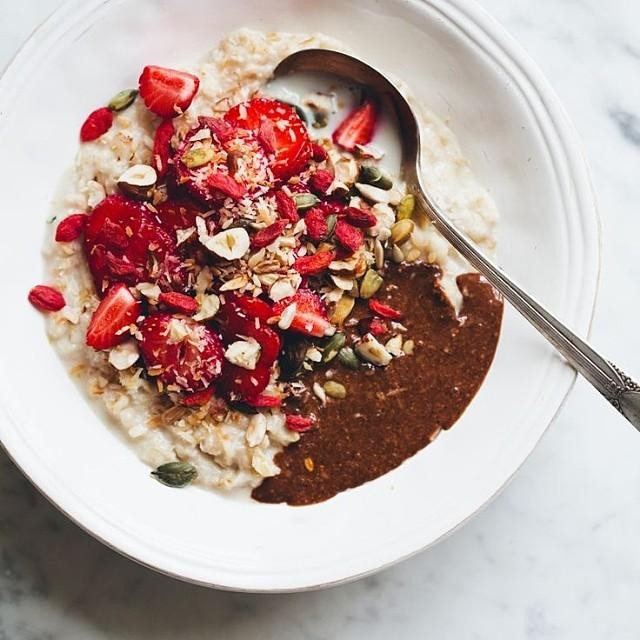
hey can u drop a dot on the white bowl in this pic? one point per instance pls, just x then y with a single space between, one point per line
463 66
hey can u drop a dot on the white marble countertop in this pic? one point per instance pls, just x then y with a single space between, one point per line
556 555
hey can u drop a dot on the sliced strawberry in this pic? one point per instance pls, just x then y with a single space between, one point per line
46 298
167 92
180 352
179 302
237 321
71 227
237 383
162 147
266 236
357 128
252 307
123 243
384 310
311 314
299 423
198 399
348 236
316 263
117 310
97 124
177 214
286 207
286 134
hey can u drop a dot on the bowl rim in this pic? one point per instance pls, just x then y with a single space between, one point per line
486 32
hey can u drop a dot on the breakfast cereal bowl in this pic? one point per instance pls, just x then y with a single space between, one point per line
515 142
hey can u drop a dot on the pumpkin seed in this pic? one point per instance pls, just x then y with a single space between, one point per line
198 157
175 474
343 308
305 201
332 347
405 209
396 254
331 225
370 174
401 231
122 100
370 284
348 358
335 390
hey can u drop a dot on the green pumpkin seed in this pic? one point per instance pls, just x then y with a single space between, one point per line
122 100
405 209
331 225
335 390
370 174
343 308
198 157
401 231
332 347
348 358
370 284
305 201
175 474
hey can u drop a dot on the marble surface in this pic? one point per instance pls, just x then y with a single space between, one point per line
555 556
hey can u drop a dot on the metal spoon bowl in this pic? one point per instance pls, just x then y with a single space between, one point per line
609 380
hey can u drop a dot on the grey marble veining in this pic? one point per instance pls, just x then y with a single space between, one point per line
555 556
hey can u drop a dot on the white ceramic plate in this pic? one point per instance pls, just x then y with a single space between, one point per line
464 67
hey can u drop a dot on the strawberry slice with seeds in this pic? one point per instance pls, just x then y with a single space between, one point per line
117 310
71 227
285 138
98 122
124 243
167 92
311 314
237 383
177 214
317 263
357 128
384 310
46 298
162 147
180 352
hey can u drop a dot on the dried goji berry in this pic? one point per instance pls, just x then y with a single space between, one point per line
300 423
46 298
348 236
198 398
384 310
97 124
374 326
316 263
162 147
179 302
320 181
286 207
360 218
316 223
71 227
265 400
267 235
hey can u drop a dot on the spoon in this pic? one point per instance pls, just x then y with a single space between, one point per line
620 390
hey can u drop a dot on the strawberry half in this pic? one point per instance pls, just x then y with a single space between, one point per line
280 130
243 316
311 314
123 243
167 92
116 310
182 353
357 128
